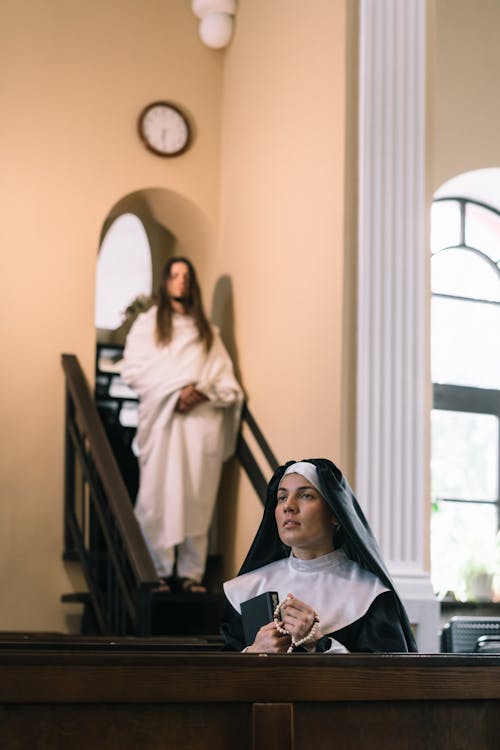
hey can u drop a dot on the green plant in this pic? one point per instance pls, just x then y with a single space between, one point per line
141 303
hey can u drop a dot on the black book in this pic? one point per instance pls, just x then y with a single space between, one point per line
257 612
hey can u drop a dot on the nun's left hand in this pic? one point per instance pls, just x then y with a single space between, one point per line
298 618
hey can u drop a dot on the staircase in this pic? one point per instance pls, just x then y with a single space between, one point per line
102 534
172 614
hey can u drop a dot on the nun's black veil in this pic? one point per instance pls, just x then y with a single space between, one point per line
355 535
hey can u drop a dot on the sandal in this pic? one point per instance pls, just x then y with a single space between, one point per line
190 586
164 585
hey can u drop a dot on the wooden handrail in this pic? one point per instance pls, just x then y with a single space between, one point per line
109 473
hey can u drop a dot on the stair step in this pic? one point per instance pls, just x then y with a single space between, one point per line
186 614
173 614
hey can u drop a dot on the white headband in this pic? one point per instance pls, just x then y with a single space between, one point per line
306 470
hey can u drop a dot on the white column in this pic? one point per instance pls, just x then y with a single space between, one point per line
392 365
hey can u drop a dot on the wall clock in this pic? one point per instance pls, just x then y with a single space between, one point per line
164 129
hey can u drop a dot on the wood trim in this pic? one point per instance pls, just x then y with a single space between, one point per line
93 676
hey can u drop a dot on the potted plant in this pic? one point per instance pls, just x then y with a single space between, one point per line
478 579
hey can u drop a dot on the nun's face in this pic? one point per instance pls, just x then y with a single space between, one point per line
304 520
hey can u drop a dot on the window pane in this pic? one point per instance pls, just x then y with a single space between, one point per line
464 461
462 540
482 230
445 224
465 274
124 270
465 343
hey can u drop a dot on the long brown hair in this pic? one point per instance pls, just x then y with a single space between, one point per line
194 306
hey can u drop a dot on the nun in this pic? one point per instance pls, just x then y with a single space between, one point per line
315 552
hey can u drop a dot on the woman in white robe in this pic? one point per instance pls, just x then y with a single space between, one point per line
189 412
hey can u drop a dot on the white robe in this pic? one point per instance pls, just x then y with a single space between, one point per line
180 455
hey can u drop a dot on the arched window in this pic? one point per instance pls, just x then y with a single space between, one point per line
124 270
465 368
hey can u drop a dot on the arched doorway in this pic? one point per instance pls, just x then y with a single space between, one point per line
139 234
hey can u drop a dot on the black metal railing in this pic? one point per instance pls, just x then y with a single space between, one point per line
247 458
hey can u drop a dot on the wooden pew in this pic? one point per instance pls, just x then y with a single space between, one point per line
128 694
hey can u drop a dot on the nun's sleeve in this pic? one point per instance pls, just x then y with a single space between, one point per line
379 630
232 629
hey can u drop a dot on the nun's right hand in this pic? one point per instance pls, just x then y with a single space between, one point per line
269 641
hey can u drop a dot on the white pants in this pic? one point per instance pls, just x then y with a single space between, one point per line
191 558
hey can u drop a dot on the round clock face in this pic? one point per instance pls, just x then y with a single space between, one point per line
164 129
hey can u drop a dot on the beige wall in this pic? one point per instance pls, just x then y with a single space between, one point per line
74 77
282 220
466 104
258 200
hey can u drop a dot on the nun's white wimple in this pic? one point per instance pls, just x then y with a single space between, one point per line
306 470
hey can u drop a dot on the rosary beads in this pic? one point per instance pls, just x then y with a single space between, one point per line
310 635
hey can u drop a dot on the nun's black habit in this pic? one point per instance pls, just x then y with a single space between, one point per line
370 619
